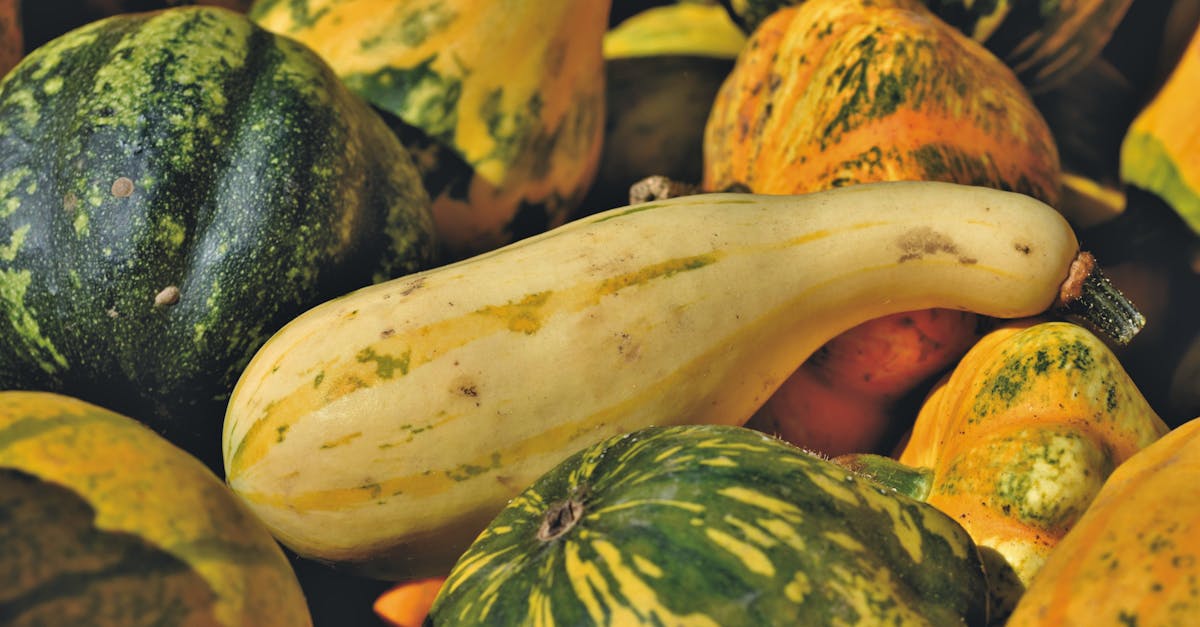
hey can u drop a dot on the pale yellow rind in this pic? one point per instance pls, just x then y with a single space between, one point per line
385 428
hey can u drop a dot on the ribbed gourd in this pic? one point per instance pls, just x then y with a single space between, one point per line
502 101
103 522
174 187
712 525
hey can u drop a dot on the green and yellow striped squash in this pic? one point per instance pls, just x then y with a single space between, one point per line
1159 151
1134 556
712 526
502 101
174 187
382 430
836 92
1019 438
103 522
1044 41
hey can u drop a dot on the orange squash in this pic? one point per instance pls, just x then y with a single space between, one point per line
407 604
1020 437
11 41
836 92
1134 556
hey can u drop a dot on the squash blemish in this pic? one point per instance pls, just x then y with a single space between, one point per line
166 297
122 188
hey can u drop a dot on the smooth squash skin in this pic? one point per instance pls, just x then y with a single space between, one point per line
12 41
382 430
503 101
1020 437
174 187
1133 558
712 526
1158 152
105 523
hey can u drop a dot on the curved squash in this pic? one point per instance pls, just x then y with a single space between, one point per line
503 101
712 525
174 187
1133 558
105 523
1158 153
383 429
1020 437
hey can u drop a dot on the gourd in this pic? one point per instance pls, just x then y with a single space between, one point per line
381 430
831 93
1133 557
106 523
174 187
503 102
1044 43
1018 439
12 42
712 525
662 67
1157 153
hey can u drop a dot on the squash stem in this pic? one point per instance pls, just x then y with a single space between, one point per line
910 481
1088 297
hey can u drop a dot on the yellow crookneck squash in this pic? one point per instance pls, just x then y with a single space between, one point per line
503 102
1016 442
1134 556
832 93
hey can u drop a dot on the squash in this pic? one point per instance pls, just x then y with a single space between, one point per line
1044 42
12 42
106 523
1133 557
502 101
381 431
407 604
712 525
831 93
1157 153
662 70
174 187
1019 438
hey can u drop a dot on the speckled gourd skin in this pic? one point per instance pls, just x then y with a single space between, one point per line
1021 436
713 525
102 522
191 150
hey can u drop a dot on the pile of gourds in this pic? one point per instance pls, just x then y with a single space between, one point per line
599 312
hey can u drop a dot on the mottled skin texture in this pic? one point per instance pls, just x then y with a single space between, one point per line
174 187
105 523
712 525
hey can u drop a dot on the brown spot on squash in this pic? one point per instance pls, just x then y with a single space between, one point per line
917 243
166 297
122 187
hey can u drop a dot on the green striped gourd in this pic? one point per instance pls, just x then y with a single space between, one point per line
174 186
382 430
502 101
712 526
103 522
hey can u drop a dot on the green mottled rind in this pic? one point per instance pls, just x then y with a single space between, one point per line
715 525
102 523
260 187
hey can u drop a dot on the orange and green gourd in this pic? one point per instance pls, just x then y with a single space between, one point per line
1016 442
502 101
1159 153
831 93
106 523
1134 556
